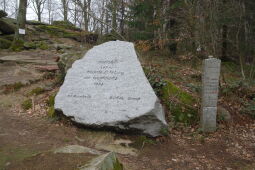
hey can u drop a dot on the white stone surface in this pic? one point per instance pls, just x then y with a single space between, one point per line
210 90
77 149
209 119
108 88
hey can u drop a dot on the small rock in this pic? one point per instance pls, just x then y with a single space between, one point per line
6 26
76 149
106 161
7 164
224 114
61 46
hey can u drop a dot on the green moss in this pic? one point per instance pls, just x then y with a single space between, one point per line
164 131
65 25
27 104
141 141
51 111
36 91
4 44
30 45
180 103
51 100
52 30
117 165
59 31
72 35
43 45
17 86
17 45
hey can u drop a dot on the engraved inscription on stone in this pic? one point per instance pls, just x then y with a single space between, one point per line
210 86
108 88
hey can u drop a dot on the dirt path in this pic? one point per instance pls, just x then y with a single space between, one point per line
23 135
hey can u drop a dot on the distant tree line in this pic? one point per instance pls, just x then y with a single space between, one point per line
222 28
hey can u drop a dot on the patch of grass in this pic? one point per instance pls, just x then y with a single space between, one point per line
27 104
49 75
36 91
66 25
59 31
51 112
17 45
50 102
117 165
67 140
141 141
30 45
43 45
180 103
164 131
13 87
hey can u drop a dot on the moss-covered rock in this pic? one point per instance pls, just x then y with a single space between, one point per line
3 14
72 35
58 31
4 44
7 26
33 22
30 45
180 103
66 25
43 45
36 91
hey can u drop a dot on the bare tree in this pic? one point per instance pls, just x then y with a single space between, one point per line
21 20
85 7
65 9
4 4
50 10
38 7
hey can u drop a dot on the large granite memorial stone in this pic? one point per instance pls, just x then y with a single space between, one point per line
108 88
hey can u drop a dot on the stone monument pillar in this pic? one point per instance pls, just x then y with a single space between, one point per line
210 90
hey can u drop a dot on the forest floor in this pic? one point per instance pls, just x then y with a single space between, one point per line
27 137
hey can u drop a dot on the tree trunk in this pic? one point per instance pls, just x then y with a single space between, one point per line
4 6
224 42
102 17
75 12
85 16
65 8
114 14
39 14
122 18
107 21
21 20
